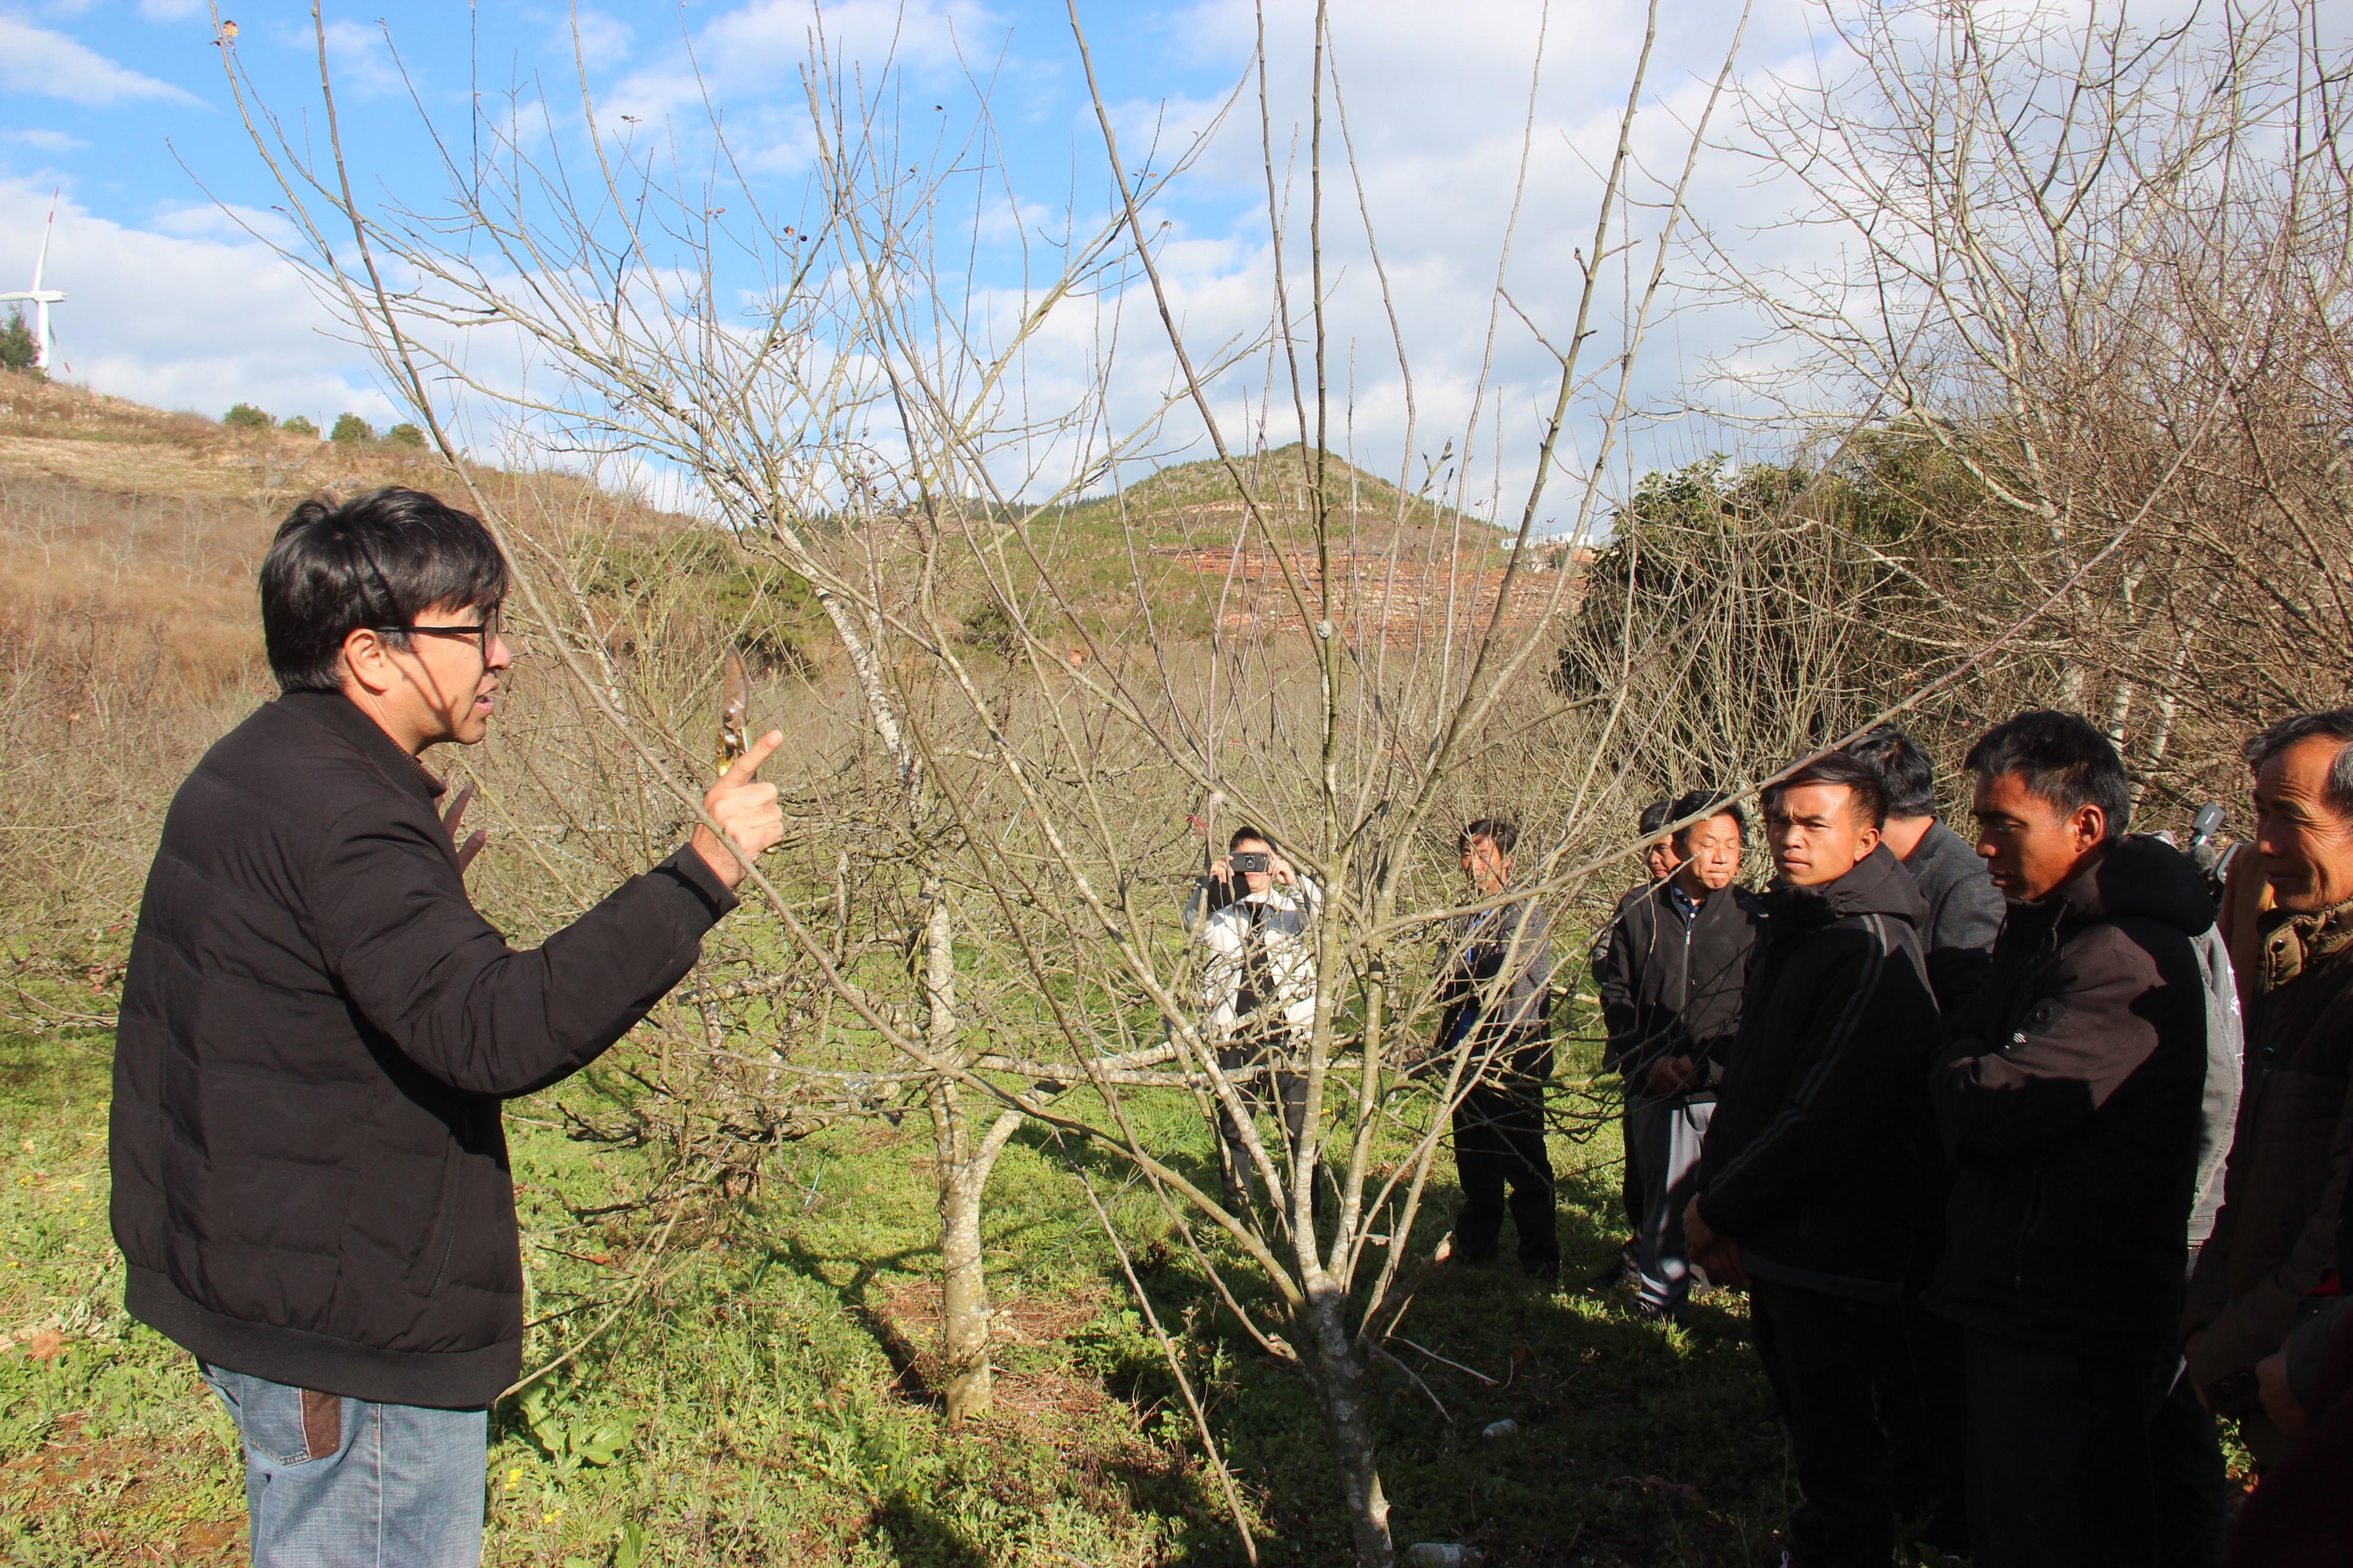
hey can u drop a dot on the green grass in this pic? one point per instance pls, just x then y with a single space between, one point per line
765 1401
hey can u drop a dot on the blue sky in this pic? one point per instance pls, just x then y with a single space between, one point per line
122 103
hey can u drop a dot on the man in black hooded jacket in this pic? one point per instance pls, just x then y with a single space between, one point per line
2070 1097
1806 1187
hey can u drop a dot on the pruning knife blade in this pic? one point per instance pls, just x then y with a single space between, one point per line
734 701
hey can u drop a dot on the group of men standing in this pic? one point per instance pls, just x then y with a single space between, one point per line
2032 1166
1960 1123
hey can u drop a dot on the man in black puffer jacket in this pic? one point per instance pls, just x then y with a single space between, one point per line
2070 1097
310 1182
1807 1186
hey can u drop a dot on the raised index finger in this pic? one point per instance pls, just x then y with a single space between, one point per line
747 768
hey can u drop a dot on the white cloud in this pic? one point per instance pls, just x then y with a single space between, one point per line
1437 116
187 319
45 140
362 62
603 40
761 47
37 60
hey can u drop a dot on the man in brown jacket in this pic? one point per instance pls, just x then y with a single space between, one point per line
2274 1247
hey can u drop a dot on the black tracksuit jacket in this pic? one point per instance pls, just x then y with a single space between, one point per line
310 1180
1822 1135
2070 1097
1671 989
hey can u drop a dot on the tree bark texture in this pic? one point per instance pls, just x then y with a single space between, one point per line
1337 1371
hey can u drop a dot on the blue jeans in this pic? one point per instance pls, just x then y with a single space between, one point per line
340 1483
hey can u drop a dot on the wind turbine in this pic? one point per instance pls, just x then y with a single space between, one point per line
42 299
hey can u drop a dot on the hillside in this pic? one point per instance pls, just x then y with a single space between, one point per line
1184 541
131 535
134 533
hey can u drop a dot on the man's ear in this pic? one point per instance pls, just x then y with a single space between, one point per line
2089 824
366 661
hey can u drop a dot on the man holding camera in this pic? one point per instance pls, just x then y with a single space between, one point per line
318 1032
1260 988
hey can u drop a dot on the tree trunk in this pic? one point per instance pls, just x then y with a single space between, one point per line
965 1310
962 1174
1338 1370
964 1282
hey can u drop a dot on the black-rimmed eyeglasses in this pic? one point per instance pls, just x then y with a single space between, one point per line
484 632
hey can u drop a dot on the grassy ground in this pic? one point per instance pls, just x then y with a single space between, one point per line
764 1401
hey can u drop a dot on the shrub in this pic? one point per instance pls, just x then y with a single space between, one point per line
246 417
350 429
18 349
298 425
405 435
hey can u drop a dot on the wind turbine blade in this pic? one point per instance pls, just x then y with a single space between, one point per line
42 260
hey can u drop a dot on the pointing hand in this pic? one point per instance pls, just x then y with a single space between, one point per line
746 808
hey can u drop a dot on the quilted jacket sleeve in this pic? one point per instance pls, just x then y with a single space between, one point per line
400 935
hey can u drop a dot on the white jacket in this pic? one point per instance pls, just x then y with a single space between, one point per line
1282 919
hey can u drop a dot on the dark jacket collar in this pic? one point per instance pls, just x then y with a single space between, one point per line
340 715
2139 877
1879 885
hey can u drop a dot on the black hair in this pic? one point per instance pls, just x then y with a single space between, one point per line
1868 797
2330 723
1500 831
1246 831
1713 802
377 560
1654 817
1907 776
2060 759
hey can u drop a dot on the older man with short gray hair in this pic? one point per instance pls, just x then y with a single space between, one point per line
2268 1263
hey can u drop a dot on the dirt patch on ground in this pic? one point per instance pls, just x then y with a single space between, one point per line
50 1489
1027 1384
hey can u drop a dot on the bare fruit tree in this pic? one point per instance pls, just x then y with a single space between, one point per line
601 295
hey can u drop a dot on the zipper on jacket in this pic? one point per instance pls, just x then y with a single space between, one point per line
2026 1229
